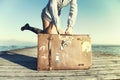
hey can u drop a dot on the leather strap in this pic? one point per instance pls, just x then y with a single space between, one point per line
49 54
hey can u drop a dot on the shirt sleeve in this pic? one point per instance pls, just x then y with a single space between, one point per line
54 12
72 13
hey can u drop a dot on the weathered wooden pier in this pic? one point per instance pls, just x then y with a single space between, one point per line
21 65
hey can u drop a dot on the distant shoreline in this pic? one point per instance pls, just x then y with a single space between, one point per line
98 50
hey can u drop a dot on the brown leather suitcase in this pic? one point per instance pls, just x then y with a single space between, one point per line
64 52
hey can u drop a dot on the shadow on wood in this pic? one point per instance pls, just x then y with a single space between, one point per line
23 60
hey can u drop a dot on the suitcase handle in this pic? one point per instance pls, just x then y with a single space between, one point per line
64 37
66 34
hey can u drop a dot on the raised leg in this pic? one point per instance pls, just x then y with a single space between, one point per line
33 29
50 28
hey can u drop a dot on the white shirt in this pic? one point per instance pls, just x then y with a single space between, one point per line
53 10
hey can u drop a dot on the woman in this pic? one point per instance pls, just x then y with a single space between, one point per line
50 17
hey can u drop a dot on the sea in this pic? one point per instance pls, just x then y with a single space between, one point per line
106 49
13 44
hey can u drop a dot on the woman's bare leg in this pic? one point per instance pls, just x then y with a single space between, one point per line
33 29
50 28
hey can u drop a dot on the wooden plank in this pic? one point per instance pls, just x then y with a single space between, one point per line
50 78
113 59
21 68
105 65
109 77
41 74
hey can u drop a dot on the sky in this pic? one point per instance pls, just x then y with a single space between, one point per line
98 18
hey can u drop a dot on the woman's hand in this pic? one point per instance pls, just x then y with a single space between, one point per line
61 31
68 30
